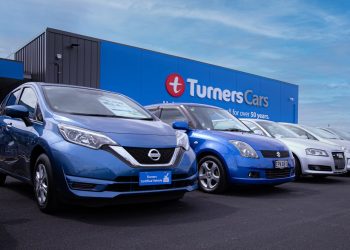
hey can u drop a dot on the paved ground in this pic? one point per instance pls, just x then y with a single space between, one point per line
309 214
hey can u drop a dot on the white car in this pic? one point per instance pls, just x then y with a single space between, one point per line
341 134
311 157
318 134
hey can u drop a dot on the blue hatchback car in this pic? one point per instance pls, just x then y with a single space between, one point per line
227 150
85 145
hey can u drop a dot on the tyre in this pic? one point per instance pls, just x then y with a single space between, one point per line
212 175
2 179
43 183
298 171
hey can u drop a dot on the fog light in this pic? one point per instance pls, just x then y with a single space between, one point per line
254 174
82 186
292 171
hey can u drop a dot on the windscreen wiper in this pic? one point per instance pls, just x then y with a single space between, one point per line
236 130
114 116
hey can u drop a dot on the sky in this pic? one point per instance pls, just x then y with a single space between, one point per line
301 42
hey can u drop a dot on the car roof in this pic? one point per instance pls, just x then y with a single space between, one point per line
41 84
256 120
176 104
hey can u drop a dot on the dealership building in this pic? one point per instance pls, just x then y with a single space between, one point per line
147 76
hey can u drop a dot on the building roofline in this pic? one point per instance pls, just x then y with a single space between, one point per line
48 29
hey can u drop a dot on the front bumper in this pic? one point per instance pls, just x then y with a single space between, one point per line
319 165
259 171
114 189
98 174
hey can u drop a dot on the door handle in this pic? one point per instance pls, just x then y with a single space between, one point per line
8 126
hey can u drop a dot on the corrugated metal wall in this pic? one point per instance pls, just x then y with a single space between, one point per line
33 56
62 57
80 62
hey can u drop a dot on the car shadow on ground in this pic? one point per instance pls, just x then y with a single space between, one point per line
21 188
322 180
192 208
258 191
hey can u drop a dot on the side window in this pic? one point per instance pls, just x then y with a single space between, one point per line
13 98
253 127
170 115
301 132
9 100
29 100
155 111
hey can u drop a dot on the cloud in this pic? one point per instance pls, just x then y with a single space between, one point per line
338 85
273 19
302 42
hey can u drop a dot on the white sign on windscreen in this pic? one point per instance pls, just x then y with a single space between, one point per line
119 108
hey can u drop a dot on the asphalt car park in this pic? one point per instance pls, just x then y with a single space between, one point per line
311 213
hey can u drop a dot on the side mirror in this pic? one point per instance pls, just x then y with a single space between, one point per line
18 111
181 125
258 132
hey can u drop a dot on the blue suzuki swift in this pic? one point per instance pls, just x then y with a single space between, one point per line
76 144
228 151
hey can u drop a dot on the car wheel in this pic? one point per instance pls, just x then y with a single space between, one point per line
212 175
298 171
43 185
2 179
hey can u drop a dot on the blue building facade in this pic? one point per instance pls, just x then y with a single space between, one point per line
151 77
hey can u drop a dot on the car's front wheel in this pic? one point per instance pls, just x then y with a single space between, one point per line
43 185
2 179
212 175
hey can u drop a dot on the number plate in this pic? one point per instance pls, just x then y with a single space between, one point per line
281 164
155 178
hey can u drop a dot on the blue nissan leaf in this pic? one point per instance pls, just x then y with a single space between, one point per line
89 146
228 152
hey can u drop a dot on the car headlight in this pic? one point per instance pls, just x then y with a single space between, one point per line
316 152
345 149
182 140
84 137
245 149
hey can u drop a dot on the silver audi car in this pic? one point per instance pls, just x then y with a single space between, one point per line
321 135
312 157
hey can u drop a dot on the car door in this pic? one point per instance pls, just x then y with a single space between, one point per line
26 137
8 146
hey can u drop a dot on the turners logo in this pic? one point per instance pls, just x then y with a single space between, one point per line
175 85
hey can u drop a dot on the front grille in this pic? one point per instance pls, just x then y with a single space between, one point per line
320 168
141 155
339 160
274 154
277 173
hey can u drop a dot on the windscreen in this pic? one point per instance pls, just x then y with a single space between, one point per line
342 134
216 119
277 131
322 133
90 102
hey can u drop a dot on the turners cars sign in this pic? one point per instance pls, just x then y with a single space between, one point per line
176 86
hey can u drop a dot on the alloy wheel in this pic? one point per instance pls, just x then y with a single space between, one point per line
209 175
41 184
